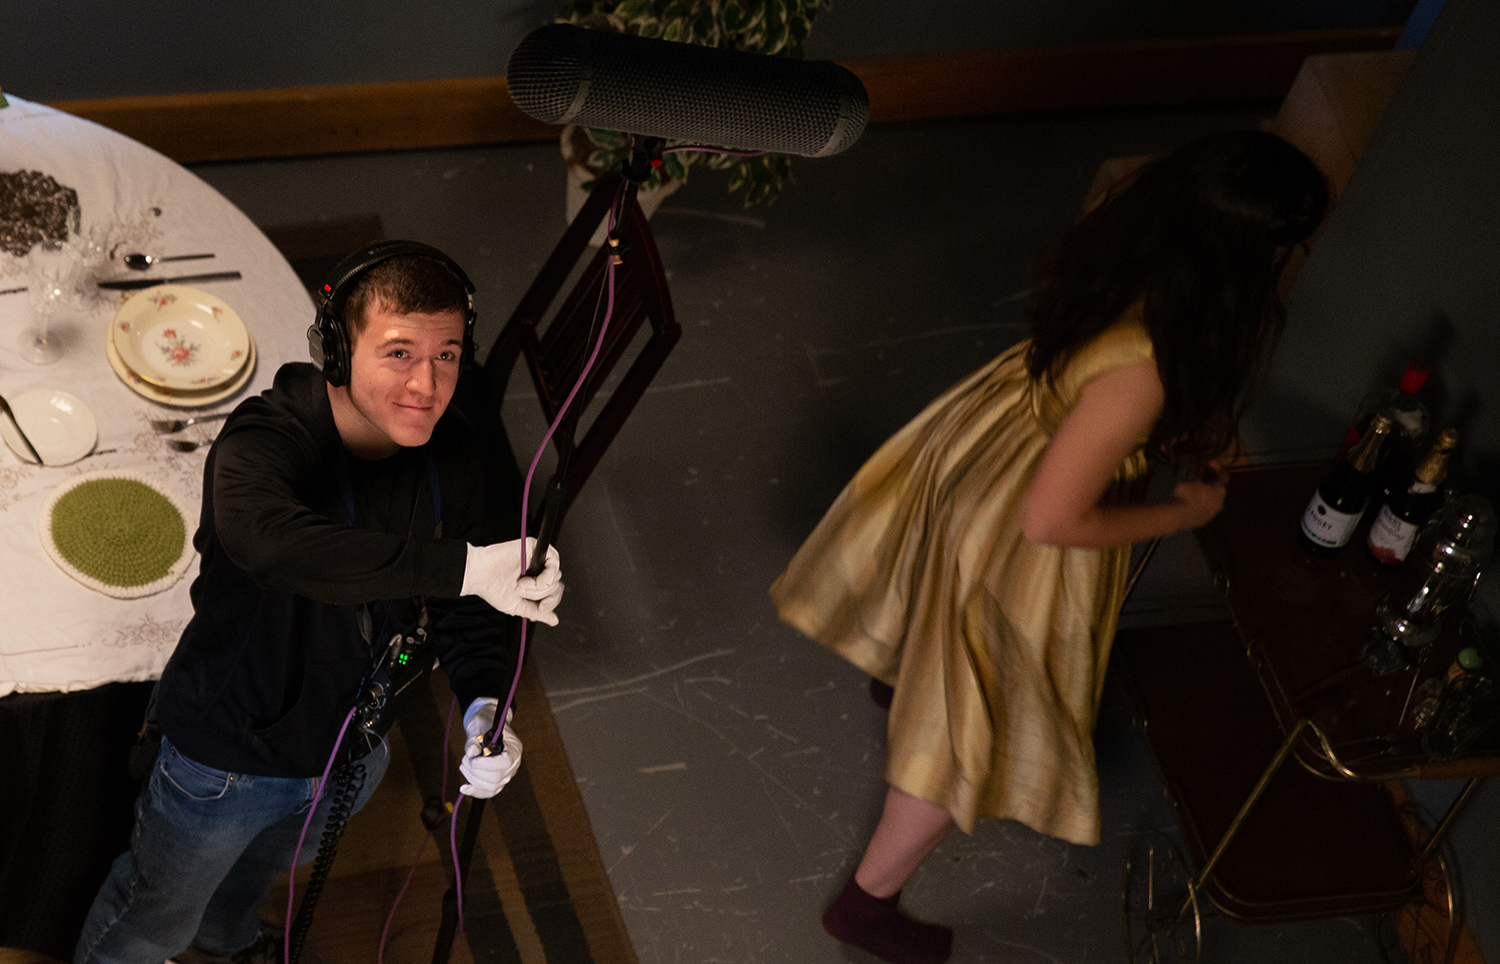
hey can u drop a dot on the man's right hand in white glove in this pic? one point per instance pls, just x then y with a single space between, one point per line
494 574
487 774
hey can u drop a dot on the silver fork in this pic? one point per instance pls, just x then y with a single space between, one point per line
168 426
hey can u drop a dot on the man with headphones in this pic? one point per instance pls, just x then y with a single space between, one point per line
343 515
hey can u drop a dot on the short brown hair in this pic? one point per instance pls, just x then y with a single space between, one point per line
408 285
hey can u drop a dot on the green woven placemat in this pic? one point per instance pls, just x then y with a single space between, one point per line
118 531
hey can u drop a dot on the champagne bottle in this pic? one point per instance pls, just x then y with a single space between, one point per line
1340 501
1407 510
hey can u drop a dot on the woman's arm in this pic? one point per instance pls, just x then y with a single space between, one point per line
1113 412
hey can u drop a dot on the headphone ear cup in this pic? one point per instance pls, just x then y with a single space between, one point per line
315 344
328 344
336 351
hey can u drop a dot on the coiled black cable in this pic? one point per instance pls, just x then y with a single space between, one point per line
348 780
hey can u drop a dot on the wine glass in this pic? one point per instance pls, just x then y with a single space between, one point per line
65 283
53 293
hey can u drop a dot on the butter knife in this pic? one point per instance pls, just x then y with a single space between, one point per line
5 407
136 283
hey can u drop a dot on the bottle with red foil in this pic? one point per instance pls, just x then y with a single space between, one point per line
1407 510
1409 425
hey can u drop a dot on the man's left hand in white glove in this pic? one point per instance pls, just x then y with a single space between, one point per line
487 774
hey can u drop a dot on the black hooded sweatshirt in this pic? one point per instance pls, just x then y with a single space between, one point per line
273 658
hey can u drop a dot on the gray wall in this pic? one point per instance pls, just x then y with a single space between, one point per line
1408 264
65 49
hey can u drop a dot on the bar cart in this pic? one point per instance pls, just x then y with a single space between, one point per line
1226 705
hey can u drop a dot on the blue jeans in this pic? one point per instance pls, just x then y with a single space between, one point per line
206 848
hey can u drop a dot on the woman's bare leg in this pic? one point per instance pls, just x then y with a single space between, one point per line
909 829
864 914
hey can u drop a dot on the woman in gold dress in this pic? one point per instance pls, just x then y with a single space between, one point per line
977 562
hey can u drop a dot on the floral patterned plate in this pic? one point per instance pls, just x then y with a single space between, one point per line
180 338
165 396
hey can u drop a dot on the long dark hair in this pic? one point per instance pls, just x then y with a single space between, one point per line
1200 236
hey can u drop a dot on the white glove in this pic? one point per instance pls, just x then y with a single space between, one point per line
494 574
487 775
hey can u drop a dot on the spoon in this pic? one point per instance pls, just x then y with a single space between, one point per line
140 262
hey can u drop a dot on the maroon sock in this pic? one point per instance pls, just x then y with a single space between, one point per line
881 693
874 924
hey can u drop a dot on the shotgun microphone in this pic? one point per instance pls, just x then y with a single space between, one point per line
562 74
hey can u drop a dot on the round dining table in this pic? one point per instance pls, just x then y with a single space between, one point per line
76 664
61 635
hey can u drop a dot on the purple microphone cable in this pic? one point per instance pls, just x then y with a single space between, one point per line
504 709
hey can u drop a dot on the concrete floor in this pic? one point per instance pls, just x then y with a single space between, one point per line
731 768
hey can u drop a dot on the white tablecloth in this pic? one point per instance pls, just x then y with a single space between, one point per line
54 633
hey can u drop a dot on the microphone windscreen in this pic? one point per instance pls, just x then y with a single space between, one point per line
562 74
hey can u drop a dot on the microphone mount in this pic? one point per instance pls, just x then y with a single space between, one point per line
645 158
556 361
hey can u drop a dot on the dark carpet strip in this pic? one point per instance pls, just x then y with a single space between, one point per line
538 870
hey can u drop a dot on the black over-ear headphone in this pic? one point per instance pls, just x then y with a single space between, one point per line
328 339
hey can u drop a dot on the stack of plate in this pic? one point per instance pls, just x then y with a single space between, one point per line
180 346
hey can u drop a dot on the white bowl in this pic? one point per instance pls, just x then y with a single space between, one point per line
60 426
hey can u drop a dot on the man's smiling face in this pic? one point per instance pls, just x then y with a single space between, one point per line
402 372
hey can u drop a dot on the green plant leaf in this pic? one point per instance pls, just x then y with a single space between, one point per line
676 165
797 30
776 28
614 140
631 11
706 26
752 30
734 17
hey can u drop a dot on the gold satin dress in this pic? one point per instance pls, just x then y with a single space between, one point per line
920 575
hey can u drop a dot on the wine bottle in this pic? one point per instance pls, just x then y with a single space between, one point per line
1407 412
1408 509
1340 501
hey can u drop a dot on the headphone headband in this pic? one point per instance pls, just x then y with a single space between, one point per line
328 340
